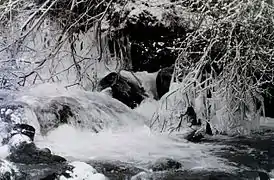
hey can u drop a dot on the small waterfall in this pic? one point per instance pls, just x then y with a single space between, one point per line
100 127
89 110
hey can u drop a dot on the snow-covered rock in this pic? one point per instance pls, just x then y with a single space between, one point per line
16 140
7 170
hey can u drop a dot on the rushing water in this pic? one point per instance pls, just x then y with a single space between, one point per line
105 129
123 133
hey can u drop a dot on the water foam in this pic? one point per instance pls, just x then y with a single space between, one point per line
93 111
139 146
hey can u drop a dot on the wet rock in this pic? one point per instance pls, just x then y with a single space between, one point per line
32 162
208 129
8 171
163 164
123 90
195 137
192 117
51 171
115 169
64 113
163 80
269 100
28 153
107 91
43 171
199 133
24 129
23 150
26 133
15 116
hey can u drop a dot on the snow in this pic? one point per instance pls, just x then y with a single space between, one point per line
4 151
83 171
18 139
107 91
9 111
7 167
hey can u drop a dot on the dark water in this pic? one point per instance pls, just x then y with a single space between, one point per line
252 157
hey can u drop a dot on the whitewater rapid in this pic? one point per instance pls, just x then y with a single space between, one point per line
123 134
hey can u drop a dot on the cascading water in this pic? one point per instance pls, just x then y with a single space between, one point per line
99 127
102 128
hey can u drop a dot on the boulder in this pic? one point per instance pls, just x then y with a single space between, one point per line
194 136
29 153
123 89
23 150
24 160
18 133
24 129
15 116
115 169
163 164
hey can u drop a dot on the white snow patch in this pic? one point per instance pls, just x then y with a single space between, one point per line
18 139
15 119
4 151
3 110
83 171
9 111
107 91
